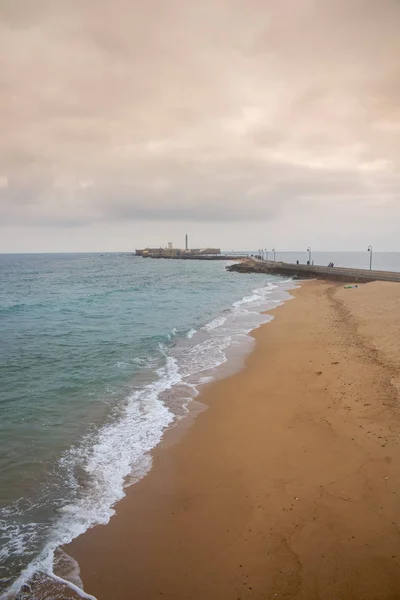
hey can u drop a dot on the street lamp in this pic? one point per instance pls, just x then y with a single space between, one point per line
309 254
370 256
273 250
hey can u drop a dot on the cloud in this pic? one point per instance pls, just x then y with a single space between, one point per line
198 111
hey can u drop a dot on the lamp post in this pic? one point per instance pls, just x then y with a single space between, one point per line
266 254
309 254
273 250
370 256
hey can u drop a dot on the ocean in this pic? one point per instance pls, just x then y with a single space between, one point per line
99 355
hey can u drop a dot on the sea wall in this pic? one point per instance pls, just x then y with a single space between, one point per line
312 271
194 257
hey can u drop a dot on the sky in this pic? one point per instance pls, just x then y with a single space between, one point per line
244 123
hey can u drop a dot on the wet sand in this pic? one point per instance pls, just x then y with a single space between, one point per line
288 486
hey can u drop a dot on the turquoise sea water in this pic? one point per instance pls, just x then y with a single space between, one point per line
99 354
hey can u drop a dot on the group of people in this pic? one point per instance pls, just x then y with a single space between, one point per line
331 264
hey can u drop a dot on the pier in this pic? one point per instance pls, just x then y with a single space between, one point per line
251 265
194 256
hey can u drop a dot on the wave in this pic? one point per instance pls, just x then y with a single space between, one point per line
247 300
258 295
214 324
96 470
204 356
172 333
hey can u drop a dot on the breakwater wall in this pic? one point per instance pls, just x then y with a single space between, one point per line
197 257
313 271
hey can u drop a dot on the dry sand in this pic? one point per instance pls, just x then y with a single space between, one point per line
288 486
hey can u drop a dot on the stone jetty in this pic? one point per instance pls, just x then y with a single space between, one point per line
251 265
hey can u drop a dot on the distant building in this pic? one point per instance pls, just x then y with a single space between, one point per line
170 252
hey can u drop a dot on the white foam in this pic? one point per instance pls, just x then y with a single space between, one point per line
205 379
191 333
122 365
206 355
172 333
217 322
247 300
143 361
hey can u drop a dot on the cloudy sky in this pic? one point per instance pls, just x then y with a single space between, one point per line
245 123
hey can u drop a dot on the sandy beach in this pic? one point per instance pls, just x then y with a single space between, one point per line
288 486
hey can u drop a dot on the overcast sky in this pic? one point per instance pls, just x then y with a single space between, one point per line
244 123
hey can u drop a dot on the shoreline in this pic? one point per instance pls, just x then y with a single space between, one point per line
246 503
244 316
